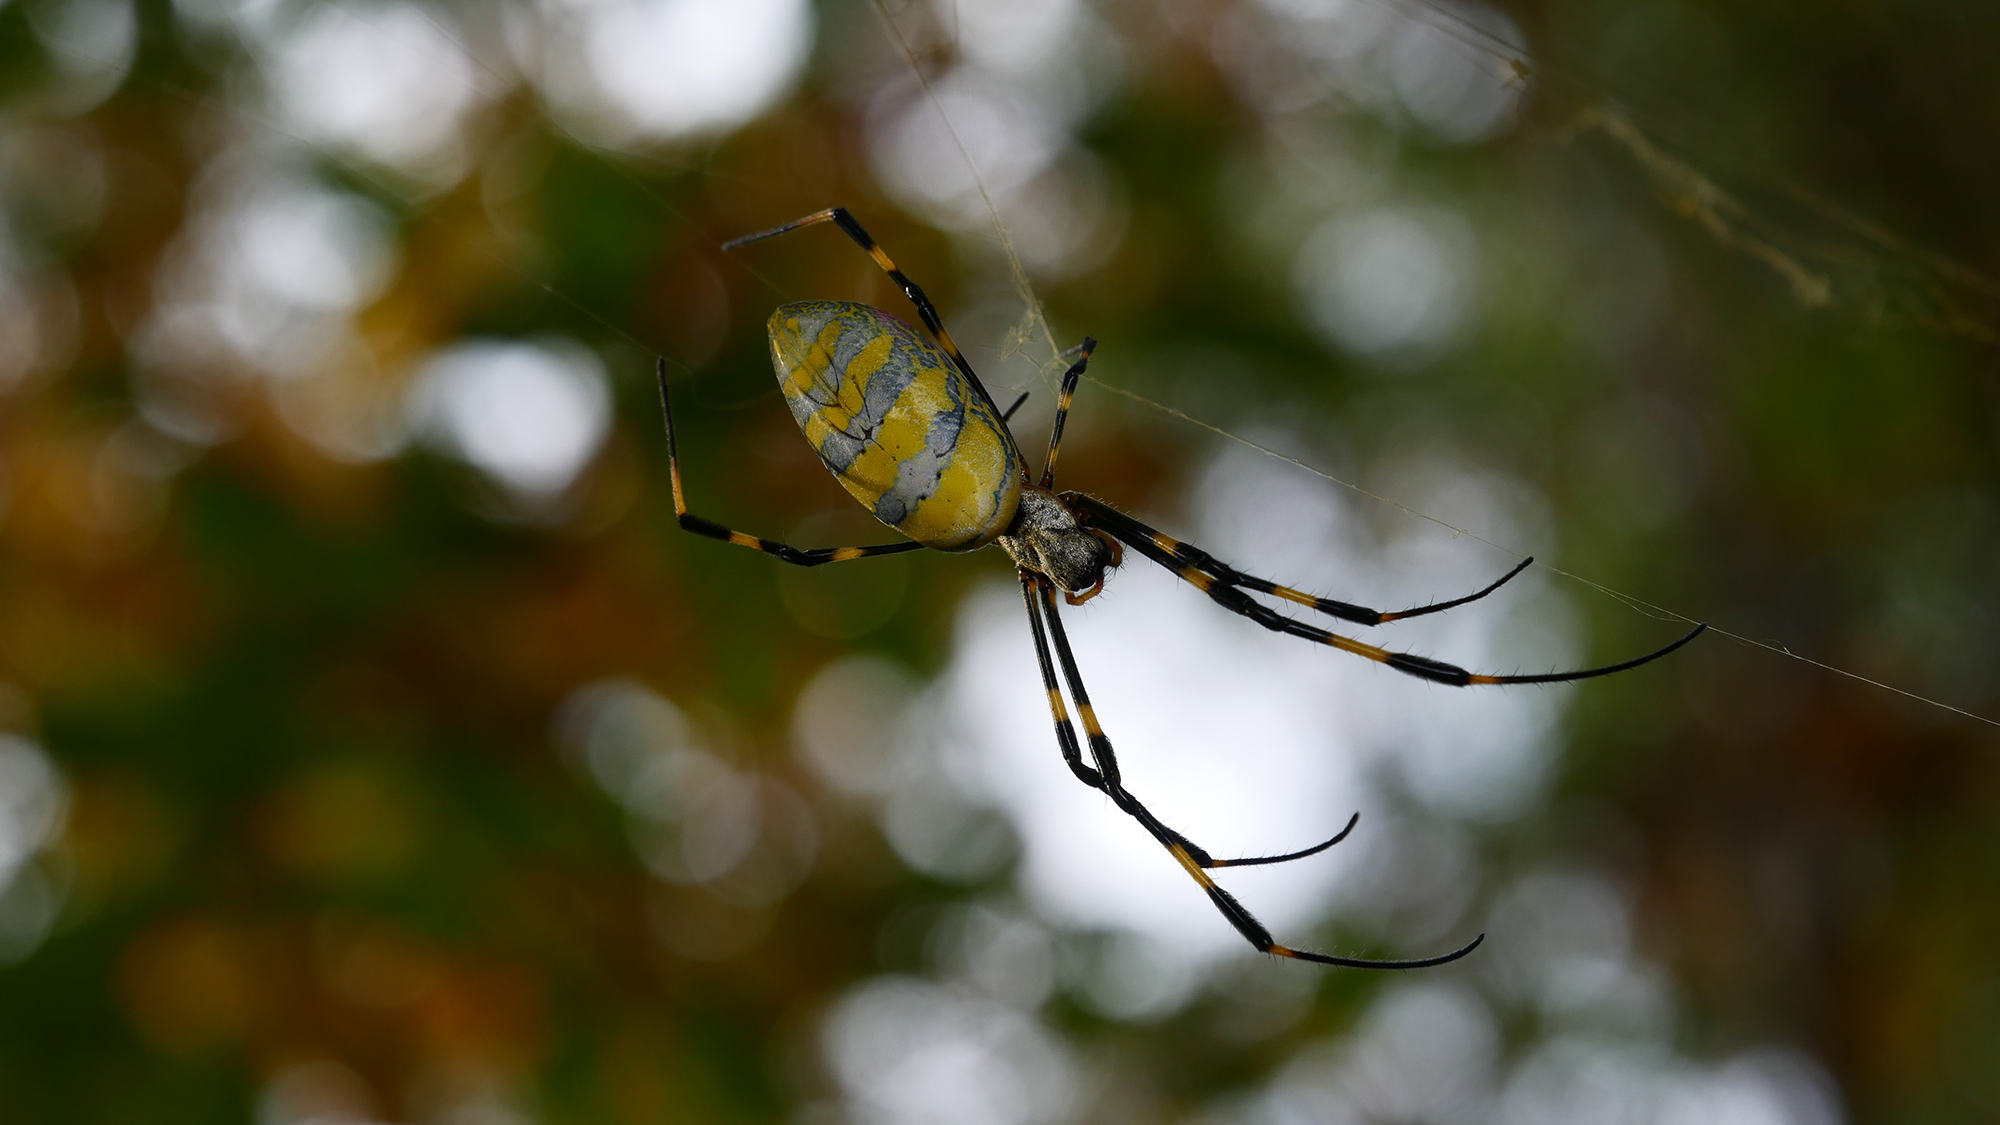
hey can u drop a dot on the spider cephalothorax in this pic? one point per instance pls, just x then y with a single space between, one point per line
910 432
1047 538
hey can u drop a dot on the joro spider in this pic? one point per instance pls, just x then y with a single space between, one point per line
908 429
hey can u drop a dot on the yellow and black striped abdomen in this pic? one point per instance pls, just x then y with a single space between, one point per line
901 428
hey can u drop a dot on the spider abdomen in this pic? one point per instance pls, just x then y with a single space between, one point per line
897 423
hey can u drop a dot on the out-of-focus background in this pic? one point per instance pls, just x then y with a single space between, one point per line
377 750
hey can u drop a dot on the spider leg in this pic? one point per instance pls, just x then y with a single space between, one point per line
926 311
1102 752
713 530
1236 601
1262 860
1040 597
1009 415
1125 527
1070 377
1065 731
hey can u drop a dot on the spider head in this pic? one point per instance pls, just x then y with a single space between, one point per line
1047 539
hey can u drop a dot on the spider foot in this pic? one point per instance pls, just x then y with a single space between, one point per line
1255 861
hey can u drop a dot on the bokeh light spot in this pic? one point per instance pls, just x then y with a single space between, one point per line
1389 279
529 414
910 1052
385 80
673 68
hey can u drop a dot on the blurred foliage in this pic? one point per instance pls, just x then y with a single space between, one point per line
303 700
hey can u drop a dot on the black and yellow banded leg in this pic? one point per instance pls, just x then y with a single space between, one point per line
1195 861
814 557
1034 591
1125 527
1065 732
926 311
1142 539
1068 391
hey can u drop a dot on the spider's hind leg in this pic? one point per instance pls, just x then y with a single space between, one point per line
816 556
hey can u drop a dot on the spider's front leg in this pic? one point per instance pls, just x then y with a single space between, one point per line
1225 587
1188 555
1039 594
1105 777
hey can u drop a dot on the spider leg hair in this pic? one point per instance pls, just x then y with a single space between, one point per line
1262 860
1039 594
713 530
1224 592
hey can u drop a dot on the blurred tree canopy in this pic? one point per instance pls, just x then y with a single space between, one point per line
377 749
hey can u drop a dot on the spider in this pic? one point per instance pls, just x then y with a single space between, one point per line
908 429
